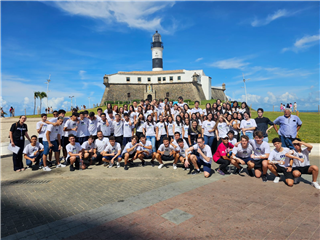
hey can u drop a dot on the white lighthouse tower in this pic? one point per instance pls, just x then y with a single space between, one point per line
157 48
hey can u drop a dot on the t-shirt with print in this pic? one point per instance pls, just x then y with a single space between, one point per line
248 124
178 128
186 130
118 128
222 150
43 128
150 129
276 157
161 128
102 126
304 155
208 125
70 125
113 149
174 142
93 127
182 151
148 143
74 149
222 128
166 150
88 146
140 128
259 149
129 145
82 130
127 129
101 144
170 128
29 150
54 131
206 151
241 152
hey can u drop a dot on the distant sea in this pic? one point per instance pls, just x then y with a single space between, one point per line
308 110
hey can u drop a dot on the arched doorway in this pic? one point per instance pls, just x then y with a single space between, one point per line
149 97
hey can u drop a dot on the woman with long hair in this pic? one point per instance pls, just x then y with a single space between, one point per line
228 108
166 112
248 125
235 107
132 114
121 112
178 126
170 125
235 125
115 110
207 110
186 125
218 102
222 128
244 108
208 127
125 108
187 109
149 131
194 132
139 123
161 130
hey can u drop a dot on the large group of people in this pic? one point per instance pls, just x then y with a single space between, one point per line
162 131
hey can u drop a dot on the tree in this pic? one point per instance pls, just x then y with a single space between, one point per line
41 96
36 95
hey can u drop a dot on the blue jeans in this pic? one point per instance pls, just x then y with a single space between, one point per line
38 157
287 142
250 135
208 140
266 139
126 140
152 139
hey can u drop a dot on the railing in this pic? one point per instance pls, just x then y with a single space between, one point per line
156 44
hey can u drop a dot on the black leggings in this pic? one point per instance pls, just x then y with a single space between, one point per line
223 164
17 158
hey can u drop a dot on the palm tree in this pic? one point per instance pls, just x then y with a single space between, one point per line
41 96
36 95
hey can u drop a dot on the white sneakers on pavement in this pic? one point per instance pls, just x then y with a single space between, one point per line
60 165
174 166
46 169
160 166
276 179
316 185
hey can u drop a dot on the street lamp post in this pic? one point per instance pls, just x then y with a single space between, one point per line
47 82
71 101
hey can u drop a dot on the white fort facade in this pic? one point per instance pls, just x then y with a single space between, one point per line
159 83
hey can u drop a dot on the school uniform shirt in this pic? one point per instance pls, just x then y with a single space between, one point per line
206 151
102 126
93 126
186 130
83 126
182 151
18 131
101 144
161 106
233 141
43 128
131 116
242 110
181 104
113 149
170 128
129 145
197 110
208 125
248 124
174 113
174 142
118 128
280 156
259 149
110 120
148 143
233 129
97 117
243 152
222 150
53 135
127 129
178 128
29 150
304 154
74 149
166 150
88 146
150 129
69 125
62 133
263 124
222 128
162 128
139 128
288 126
147 113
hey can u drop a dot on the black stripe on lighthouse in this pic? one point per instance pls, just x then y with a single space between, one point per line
157 63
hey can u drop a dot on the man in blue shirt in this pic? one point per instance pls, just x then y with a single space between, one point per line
289 126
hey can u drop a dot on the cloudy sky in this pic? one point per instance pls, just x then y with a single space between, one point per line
274 44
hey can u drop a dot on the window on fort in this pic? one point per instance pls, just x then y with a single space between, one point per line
139 79
128 79
164 79
159 79
171 78
128 94
149 79
167 94
179 77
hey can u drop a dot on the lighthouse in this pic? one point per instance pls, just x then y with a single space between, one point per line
157 48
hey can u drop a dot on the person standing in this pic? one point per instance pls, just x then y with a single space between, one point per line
248 125
42 127
208 127
295 107
289 127
262 124
18 131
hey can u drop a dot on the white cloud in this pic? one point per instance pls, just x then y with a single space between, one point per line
276 15
3 102
138 15
287 97
236 63
26 101
271 98
55 103
303 43
199 59
251 98
82 73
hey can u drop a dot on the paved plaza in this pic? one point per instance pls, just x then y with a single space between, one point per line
148 203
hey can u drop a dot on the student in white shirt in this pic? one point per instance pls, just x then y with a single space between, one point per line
132 114
197 109
181 152
104 125
71 126
139 124
235 125
110 118
161 130
204 158
99 111
75 153
222 128
112 152
187 109
166 152
144 150
178 126
301 162
180 102
279 162
174 141
129 151
128 128
232 140
118 129
93 124
186 126
89 150
100 143
248 125
33 152
41 127
82 131
208 127
149 130
170 125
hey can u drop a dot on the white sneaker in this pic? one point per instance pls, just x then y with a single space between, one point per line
174 166
118 164
276 180
47 169
316 185
296 180
110 165
60 165
160 166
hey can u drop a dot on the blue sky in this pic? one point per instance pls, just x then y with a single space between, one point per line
274 44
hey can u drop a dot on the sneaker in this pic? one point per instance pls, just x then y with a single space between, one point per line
250 173
316 185
276 179
47 169
126 167
152 163
160 166
143 163
296 180
195 171
237 171
186 168
110 165
174 166
60 165
264 178
241 170
40 167
118 164
28 167
71 168
220 172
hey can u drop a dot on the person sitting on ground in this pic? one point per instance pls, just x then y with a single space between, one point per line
144 150
165 152
303 167
174 142
89 150
111 153
75 153
33 152
231 137
280 163
129 151
181 152
204 158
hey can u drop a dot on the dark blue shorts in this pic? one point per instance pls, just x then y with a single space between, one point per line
206 166
246 160
47 149
110 157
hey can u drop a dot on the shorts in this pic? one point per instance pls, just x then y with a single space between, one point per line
147 155
167 158
54 148
77 159
110 157
287 175
130 155
82 139
206 166
181 156
246 160
302 170
258 163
